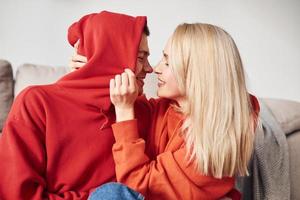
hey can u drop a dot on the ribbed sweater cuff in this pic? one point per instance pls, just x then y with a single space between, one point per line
126 131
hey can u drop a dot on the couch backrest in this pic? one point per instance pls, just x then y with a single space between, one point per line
6 90
29 74
26 75
286 112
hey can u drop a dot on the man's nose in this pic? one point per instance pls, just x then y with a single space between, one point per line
148 67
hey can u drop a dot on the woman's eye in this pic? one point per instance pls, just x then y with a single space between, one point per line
140 58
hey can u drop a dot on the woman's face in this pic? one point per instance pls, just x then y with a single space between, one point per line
167 84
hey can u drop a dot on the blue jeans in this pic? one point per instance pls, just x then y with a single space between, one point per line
115 191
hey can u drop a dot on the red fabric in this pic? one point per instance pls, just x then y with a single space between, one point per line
255 108
110 42
234 194
57 140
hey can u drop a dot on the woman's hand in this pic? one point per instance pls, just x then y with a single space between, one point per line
123 93
77 61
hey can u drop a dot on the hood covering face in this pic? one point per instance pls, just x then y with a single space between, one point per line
110 41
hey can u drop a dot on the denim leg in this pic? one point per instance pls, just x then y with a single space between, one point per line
115 191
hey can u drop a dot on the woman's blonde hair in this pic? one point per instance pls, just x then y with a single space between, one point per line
219 125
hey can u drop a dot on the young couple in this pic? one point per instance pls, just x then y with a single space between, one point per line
75 138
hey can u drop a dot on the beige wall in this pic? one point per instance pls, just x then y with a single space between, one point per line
266 32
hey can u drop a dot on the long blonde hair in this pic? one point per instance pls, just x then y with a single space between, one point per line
218 127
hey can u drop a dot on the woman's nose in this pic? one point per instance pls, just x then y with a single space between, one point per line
157 69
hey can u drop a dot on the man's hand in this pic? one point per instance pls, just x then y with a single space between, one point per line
123 93
77 61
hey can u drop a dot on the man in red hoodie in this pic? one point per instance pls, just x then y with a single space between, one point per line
57 139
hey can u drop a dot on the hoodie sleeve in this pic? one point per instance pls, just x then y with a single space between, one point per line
169 176
23 153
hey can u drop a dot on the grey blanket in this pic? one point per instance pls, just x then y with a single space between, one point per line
269 168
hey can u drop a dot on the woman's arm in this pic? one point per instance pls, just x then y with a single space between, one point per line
168 176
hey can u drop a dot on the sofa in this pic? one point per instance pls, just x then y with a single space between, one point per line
286 112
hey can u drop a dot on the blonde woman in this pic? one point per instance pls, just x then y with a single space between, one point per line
202 126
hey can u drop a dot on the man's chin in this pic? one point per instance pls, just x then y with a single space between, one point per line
140 85
141 92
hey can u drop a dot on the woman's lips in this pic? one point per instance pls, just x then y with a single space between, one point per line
160 82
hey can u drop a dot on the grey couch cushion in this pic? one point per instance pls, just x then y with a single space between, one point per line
293 140
286 112
6 90
29 74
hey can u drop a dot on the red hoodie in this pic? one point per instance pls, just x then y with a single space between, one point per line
57 140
